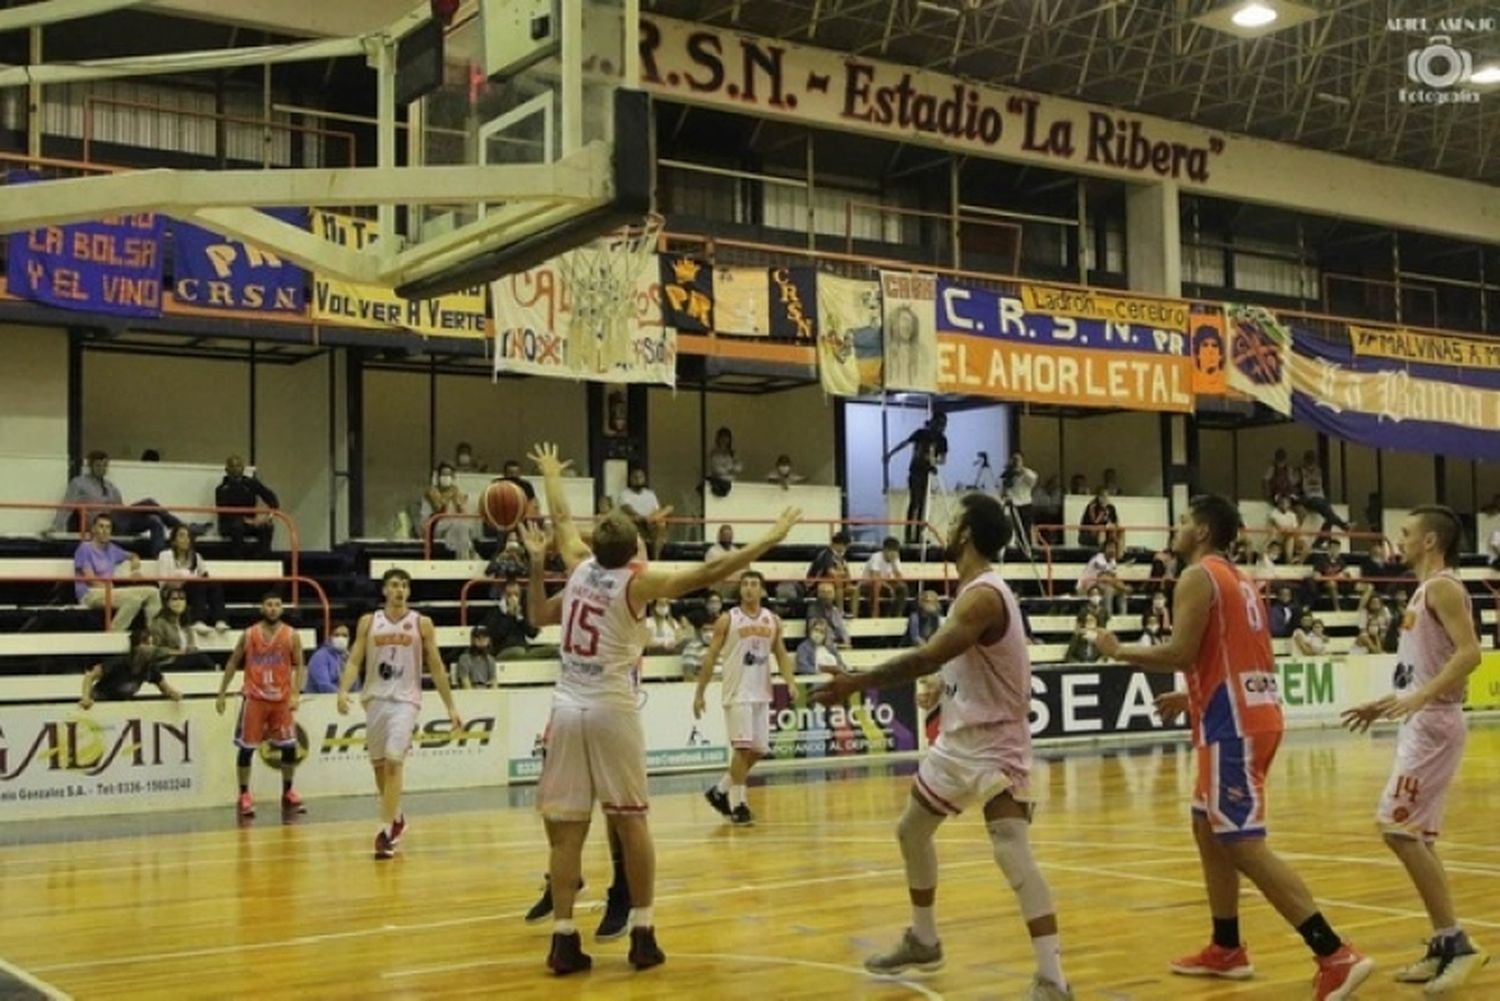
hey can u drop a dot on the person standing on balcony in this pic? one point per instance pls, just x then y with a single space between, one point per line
929 450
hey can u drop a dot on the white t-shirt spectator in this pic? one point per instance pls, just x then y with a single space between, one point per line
1308 643
1283 521
643 501
1021 485
881 568
1098 565
1312 481
716 551
167 565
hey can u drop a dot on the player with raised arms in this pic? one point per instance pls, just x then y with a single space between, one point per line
596 750
1222 640
1434 658
982 755
390 646
752 635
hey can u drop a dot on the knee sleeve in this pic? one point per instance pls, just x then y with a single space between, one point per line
914 832
1012 846
246 754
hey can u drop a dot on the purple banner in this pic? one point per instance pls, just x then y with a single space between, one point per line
219 272
109 266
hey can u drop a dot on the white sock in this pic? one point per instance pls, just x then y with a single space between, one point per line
723 785
1048 949
642 917
736 795
924 924
564 926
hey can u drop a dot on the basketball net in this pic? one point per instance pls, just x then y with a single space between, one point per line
601 278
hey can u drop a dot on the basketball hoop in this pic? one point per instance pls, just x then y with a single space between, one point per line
600 279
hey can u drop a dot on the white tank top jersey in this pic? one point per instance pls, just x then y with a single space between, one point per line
989 683
747 656
393 658
602 639
1425 646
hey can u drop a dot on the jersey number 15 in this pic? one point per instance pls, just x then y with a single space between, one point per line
581 637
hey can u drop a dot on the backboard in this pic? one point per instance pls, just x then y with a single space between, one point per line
535 141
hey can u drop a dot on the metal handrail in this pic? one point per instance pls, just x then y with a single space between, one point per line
262 123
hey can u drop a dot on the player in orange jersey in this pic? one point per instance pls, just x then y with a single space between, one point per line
1221 639
274 676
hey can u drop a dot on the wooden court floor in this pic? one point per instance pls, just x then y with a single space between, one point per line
786 909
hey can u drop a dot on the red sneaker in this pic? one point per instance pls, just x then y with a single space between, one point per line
247 805
1216 961
1339 974
291 802
398 828
383 847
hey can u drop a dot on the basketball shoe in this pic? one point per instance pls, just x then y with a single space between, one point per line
384 849
644 952
911 954
292 803
616 920
398 828
543 907
1215 961
1042 989
1458 961
567 955
718 800
1341 974
246 805
1425 968
742 817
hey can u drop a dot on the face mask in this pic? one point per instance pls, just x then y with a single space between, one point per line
445 480
464 460
1094 599
341 643
783 470
1159 601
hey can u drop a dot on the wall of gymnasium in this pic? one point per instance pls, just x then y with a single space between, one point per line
796 421
34 386
500 419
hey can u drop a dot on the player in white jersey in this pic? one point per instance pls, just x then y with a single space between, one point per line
390 646
748 636
983 753
595 746
1436 654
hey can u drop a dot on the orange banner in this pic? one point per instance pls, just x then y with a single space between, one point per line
984 366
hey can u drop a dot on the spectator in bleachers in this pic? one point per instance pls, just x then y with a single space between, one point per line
95 487
179 561
1374 622
723 464
1047 508
444 497
825 606
1330 573
328 660
238 490
922 623
885 580
782 473
1078 486
119 678
1097 605
1103 572
1152 633
1399 600
1493 507
509 563
831 565
1279 477
1110 487
1163 611
475 667
464 461
1165 566
1493 545
98 559
1081 648
1285 613
665 633
1100 523
695 650
713 607
1284 524
730 585
1308 639
1312 497
173 636
640 502
818 653
1018 484
1265 567
510 632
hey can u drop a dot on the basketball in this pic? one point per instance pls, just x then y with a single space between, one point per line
503 505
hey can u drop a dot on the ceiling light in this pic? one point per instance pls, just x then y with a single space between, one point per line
1254 15
1489 73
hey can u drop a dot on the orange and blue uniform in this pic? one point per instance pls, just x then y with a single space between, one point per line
270 666
1234 706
